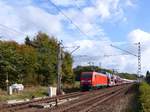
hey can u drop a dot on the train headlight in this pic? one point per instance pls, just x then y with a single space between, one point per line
89 81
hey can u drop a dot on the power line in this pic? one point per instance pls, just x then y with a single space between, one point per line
138 56
81 10
77 5
123 50
94 5
114 55
75 49
11 29
71 21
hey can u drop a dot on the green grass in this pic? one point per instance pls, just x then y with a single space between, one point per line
37 91
144 97
134 104
27 93
71 88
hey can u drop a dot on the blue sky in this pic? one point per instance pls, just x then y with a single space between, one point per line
113 25
94 25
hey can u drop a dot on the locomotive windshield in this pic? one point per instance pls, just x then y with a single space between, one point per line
86 76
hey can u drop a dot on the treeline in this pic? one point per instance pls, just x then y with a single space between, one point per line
147 78
128 76
79 69
34 62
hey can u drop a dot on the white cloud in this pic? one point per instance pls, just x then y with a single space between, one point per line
90 17
139 35
38 19
68 2
94 51
110 9
90 12
30 19
62 2
87 25
130 3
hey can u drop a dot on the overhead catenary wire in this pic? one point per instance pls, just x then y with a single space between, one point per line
138 56
81 11
124 50
69 19
94 6
77 5
75 49
7 33
114 55
11 29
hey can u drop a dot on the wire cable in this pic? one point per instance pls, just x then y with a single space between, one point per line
11 29
71 21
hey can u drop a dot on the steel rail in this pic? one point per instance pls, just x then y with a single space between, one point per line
89 108
19 106
67 107
79 106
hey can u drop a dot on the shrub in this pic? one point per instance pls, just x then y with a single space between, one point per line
145 96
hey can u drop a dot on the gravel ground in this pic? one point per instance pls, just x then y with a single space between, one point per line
124 102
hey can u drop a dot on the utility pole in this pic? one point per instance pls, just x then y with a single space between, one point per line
59 65
100 65
139 59
91 64
7 83
59 68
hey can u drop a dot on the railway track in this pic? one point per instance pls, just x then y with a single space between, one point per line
85 104
24 105
96 103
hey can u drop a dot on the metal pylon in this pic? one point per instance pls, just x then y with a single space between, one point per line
139 59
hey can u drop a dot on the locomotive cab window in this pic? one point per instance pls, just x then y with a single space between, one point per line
86 76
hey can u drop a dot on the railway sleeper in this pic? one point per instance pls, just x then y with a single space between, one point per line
52 104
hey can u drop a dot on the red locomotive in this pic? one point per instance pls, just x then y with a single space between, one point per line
91 80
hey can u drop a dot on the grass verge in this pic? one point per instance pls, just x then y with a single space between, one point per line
134 104
144 97
27 93
37 91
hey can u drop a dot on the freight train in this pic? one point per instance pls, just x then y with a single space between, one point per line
94 80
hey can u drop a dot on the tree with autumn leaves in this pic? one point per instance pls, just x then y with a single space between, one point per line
33 63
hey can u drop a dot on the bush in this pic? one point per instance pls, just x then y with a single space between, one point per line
145 96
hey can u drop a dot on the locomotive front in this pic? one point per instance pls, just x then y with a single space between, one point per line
86 80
